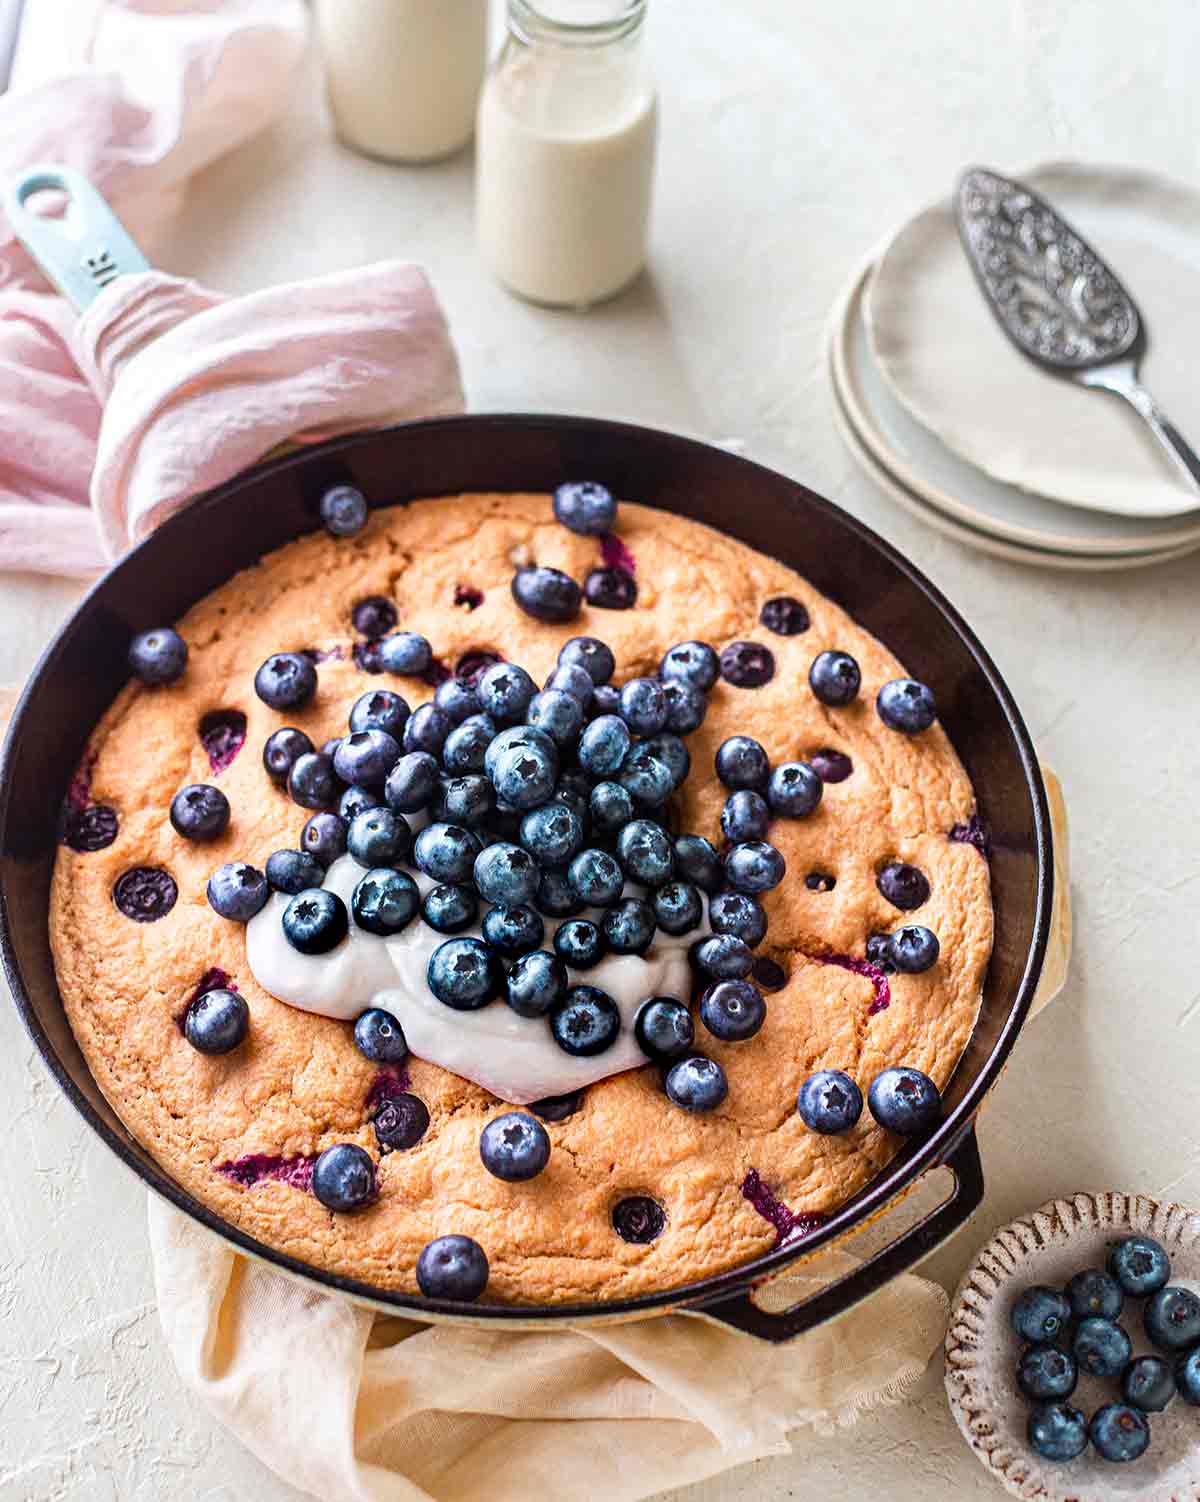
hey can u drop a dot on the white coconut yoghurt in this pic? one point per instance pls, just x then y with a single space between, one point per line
513 1057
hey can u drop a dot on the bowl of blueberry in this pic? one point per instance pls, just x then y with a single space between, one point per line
1073 1352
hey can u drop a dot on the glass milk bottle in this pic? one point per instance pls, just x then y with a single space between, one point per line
565 151
403 76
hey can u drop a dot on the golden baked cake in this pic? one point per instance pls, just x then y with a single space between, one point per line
598 976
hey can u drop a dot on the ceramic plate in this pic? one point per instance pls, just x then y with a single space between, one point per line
948 361
1048 1246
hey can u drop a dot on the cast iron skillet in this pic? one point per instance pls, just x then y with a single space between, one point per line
198 549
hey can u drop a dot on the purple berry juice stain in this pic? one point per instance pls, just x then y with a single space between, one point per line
473 664
79 792
467 597
336 653
788 1225
973 832
222 734
614 554
265 1168
879 981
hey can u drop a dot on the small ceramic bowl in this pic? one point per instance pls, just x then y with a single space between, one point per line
1048 1246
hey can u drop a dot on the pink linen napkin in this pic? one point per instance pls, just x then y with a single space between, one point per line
164 388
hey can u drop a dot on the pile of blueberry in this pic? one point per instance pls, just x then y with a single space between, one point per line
1076 1330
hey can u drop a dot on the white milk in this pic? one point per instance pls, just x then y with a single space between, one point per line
403 76
564 169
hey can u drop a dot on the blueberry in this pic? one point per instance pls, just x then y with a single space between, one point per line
450 908
628 926
330 746
1094 1292
343 1177
1038 1313
669 747
663 1029
237 891
644 706
324 838
343 511
686 705
558 713
732 1010
355 801
411 782
585 1022
467 799
200 812
1119 1433
570 678
906 705
905 1101
465 974
604 745
769 974
292 871
723 957
903 886
426 729
638 1219
1101 1347
914 949
835 679
596 877
593 656
1056 1431
738 914
406 654
647 777
513 930
158 656
505 691
312 782
1148 1383
536 982
517 737
585 507
514 1147
1172 1318
745 816
754 867
373 617
785 616
216 1022
452 1267
794 790
1187 1377
552 834
400 1122
742 763
879 953
467 744
1140 1265
692 662
379 837
678 907
556 897
696 861
446 852
829 1102
610 807
558 1107
380 709
457 700
286 681
365 757
506 874
379 1037
831 766
579 943
646 852
314 922
281 750
696 1084
747 664
524 776
547 594
610 589
1046 1373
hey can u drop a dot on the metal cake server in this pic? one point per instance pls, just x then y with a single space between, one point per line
1057 300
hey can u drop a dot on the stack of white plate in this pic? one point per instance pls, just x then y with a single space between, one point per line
964 431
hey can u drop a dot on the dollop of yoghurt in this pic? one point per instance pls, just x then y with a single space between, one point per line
515 1058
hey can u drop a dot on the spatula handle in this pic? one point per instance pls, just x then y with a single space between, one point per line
85 249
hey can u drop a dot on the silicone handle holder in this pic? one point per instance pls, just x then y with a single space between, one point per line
83 251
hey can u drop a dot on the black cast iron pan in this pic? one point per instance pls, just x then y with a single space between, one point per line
229 528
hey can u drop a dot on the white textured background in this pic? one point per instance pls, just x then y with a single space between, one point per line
795 134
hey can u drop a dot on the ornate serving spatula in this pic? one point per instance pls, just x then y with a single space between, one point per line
1057 300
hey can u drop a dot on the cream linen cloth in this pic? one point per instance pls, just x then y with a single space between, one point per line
351 1406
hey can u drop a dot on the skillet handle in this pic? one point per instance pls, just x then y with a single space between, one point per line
83 251
742 1314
